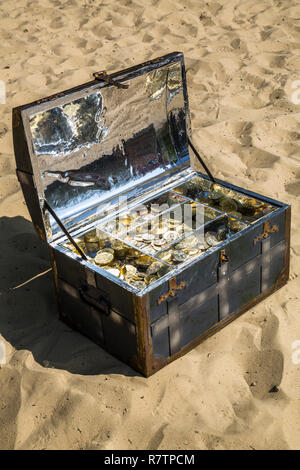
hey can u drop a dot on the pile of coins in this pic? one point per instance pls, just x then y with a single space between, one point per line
192 246
121 260
224 199
153 239
164 232
186 249
141 214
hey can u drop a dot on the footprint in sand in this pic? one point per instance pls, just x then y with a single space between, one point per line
8 186
293 188
157 438
7 164
3 129
261 361
56 23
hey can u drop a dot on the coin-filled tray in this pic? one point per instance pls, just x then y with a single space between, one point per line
169 226
224 199
143 213
144 243
196 243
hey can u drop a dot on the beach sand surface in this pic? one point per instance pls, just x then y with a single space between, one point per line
57 389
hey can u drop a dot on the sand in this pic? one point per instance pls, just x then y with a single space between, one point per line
59 390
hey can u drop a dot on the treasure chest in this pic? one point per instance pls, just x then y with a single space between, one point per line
149 255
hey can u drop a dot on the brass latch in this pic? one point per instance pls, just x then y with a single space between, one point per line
267 230
173 288
223 257
103 76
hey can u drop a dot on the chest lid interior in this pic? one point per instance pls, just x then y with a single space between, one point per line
92 143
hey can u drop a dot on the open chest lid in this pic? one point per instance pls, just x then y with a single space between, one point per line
88 145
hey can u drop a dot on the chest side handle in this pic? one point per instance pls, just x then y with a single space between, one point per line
97 302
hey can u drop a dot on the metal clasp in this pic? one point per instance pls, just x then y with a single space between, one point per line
267 230
104 77
173 288
223 257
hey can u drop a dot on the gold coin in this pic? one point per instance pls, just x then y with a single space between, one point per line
79 242
250 206
166 255
126 220
236 225
214 197
150 279
139 276
117 264
109 250
103 257
113 271
163 270
119 249
132 253
94 241
210 213
236 214
193 252
130 270
227 204
138 284
218 187
143 261
139 244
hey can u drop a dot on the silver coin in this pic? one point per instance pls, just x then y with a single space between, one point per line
200 246
138 237
161 229
211 239
186 243
148 237
154 267
179 256
150 249
159 242
170 236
